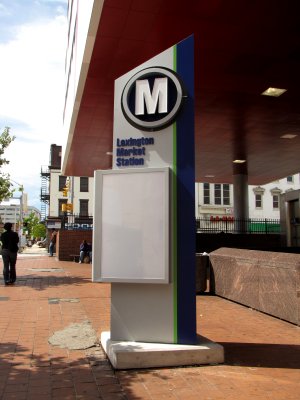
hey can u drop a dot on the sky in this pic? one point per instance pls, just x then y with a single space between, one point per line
33 37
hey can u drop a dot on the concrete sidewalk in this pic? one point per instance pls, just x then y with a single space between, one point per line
262 354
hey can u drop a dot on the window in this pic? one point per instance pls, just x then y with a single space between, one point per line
275 192
60 203
290 179
206 193
62 182
218 193
84 208
258 201
226 194
84 184
275 201
258 193
222 194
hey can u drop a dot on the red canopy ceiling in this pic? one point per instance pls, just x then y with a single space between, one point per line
241 49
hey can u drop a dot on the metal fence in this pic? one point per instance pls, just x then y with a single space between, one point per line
203 225
232 225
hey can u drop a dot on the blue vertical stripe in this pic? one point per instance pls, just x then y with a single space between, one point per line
185 168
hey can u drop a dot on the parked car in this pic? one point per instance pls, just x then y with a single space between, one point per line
42 243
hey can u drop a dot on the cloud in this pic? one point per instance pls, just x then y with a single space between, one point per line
54 1
14 13
32 75
32 89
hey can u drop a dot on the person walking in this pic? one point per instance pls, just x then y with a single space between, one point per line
10 240
52 242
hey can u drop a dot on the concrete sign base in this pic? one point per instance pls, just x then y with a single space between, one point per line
133 355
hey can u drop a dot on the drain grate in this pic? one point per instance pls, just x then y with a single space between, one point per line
55 300
46 269
3 298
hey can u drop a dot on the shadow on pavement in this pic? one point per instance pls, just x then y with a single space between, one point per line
262 355
71 376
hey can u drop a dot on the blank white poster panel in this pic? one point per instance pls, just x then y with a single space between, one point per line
135 226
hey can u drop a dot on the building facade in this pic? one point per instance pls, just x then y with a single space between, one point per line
216 199
62 194
10 212
79 194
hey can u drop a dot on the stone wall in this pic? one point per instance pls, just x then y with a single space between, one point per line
263 280
68 242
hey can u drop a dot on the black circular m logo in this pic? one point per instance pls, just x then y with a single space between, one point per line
152 98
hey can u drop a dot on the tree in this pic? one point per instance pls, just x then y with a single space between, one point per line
5 184
39 231
30 222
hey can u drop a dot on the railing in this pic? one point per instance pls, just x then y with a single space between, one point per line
45 171
76 221
231 225
203 225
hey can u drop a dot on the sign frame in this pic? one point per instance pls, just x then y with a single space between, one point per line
116 256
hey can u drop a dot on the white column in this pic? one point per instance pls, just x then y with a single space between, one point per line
240 196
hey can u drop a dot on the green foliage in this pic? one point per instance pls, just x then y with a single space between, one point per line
5 187
5 184
39 231
30 222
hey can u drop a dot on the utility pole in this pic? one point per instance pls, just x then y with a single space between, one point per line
21 189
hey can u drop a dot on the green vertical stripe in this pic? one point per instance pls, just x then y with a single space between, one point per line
174 216
174 252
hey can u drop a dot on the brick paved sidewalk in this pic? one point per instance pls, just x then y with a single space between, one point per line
262 353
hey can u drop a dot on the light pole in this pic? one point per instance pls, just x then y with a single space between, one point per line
21 189
15 220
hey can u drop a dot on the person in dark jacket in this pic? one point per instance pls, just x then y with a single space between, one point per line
10 240
84 251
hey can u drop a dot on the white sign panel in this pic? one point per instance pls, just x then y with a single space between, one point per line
137 141
131 234
54 224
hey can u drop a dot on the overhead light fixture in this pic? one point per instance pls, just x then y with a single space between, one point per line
288 136
274 92
239 161
109 153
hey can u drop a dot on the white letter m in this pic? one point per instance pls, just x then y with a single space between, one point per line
159 95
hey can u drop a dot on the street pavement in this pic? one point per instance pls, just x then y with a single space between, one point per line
53 298
35 250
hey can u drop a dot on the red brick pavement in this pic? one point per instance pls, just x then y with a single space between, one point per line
262 353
